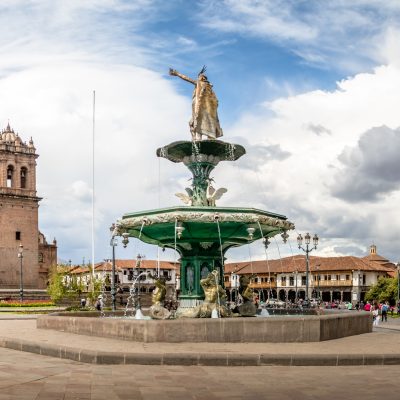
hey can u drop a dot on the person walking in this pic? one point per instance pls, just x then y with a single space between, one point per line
375 315
384 311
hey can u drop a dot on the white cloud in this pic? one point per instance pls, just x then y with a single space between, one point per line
348 35
300 186
136 112
55 56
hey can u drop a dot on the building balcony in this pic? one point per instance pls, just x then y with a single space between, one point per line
263 285
324 284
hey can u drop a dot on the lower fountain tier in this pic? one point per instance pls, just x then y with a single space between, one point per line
199 231
201 235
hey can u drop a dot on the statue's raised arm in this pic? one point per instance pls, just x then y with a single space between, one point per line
204 119
174 72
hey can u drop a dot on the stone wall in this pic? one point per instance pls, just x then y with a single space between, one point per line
273 329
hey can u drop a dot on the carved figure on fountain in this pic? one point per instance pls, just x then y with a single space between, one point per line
247 308
214 296
157 310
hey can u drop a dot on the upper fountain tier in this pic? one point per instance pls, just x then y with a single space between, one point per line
208 151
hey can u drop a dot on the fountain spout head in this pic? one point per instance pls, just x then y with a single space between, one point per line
179 229
125 239
251 231
266 242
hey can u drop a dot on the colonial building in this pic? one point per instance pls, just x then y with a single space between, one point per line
19 203
127 272
345 278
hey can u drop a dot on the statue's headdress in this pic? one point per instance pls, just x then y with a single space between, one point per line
203 70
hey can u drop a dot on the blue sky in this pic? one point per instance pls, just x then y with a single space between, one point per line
311 88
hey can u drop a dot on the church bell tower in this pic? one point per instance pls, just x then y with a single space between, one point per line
18 212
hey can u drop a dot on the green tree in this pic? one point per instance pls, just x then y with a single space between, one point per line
95 289
384 290
56 288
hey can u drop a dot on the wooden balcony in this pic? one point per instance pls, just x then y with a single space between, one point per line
324 284
263 285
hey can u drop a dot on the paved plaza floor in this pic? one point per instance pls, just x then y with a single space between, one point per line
24 375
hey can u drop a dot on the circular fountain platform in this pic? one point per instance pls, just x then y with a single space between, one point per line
306 328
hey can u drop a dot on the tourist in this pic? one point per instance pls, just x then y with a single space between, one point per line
349 306
367 306
384 310
375 314
99 303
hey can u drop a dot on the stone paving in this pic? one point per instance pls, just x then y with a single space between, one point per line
21 334
27 376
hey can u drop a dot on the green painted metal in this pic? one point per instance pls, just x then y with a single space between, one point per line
201 158
199 233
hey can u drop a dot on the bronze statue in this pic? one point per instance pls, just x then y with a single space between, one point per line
157 310
247 308
204 119
214 297
158 295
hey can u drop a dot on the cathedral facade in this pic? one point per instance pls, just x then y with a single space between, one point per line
19 204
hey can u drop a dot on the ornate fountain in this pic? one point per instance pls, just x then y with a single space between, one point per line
200 231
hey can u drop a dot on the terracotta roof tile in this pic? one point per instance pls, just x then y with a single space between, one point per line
298 262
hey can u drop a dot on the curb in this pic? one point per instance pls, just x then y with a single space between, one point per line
198 359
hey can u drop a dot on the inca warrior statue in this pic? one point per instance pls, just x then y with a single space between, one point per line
204 119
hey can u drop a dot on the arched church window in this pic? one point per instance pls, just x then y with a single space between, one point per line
10 172
23 177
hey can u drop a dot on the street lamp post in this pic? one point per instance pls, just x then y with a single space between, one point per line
113 243
318 279
295 299
359 287
21 278
307 250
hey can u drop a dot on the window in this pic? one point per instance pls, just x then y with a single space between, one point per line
23 177
40 257
347 277
283 280
10 171
291 281
303 280
18 235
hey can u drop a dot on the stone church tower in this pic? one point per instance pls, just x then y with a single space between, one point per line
19 216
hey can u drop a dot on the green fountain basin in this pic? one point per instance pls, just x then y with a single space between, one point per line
204 228
211 151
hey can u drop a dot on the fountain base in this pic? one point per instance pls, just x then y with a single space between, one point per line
331 324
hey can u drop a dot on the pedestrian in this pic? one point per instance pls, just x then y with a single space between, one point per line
367 306
375 315
384 310
99 303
